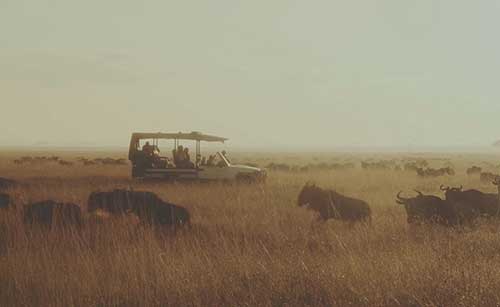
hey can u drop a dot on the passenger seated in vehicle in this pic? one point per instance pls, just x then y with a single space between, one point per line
187 161
158 162
156 150
179 156
211 160
203 161
147 149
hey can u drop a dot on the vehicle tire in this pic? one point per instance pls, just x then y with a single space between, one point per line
245 178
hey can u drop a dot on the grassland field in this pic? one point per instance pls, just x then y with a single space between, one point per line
250 245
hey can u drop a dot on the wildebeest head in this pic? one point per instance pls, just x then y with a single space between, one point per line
452 193
309 195
417 208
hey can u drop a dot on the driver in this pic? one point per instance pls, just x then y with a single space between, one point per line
211 160
187 159
179 156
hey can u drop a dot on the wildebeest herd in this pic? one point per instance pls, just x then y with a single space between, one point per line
420 167
147 206
458 208
27 160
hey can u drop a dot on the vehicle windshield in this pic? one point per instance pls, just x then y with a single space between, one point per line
223 159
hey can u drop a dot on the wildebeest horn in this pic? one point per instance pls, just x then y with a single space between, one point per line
419 193
443 188
310 183
399 196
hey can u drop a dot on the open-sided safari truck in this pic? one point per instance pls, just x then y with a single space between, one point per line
149 162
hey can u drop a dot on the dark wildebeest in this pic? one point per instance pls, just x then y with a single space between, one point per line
7 183
153 210
330 204
51 213
115 202
5 201
485 203
146 205
474 170
432 209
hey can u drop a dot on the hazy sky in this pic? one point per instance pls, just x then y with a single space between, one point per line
263 73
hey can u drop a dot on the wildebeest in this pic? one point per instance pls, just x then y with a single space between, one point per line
432 209
485 203
487 177
65 163
430 172
414 165
474 170
6 183
146 205
5 201
332 205
278 167
51 213
380 165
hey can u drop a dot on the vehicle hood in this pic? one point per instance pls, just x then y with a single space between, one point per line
245 167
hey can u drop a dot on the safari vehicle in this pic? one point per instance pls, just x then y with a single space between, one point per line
152 164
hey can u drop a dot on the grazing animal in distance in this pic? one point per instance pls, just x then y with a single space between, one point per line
332 205
487 177
430 172
146 205
380 165
65 163
278 167
474 170
5 201
414 165
50 213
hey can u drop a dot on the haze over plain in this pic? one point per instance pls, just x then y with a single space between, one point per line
263 73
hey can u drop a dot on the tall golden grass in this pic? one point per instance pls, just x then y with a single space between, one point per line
249 244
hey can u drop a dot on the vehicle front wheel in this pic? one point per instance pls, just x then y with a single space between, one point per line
247 178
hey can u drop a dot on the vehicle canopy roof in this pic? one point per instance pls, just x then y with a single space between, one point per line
193 136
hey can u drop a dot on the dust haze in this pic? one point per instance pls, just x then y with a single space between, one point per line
275 74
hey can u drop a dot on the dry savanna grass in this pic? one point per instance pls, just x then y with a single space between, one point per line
250 245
